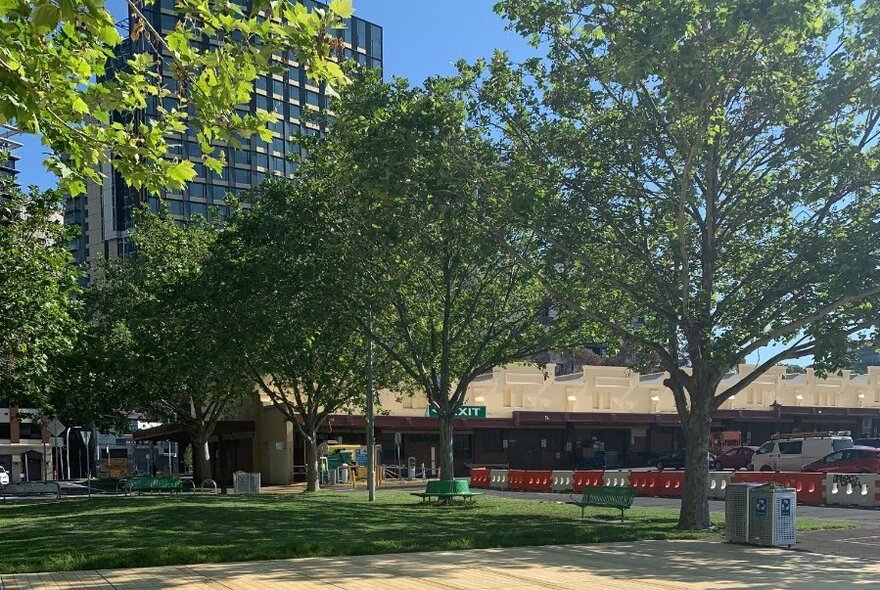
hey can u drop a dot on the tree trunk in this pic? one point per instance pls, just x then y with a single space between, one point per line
313 470
447 463
694 514
201 462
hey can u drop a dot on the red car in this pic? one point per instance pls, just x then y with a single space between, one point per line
852 460
737 458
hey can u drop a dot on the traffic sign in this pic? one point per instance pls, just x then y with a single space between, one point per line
86 436
56 427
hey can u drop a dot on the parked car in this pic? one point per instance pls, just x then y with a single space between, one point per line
792 452
737 458
676 459
4 477
854 460
868 442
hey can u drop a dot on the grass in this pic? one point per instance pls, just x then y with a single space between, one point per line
163 530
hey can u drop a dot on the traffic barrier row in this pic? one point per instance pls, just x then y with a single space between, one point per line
562 481
616 479
852 489
480 477
718 482
583 479
538 481
498 479
516 480
812 488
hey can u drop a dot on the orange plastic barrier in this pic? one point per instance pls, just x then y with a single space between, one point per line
646 483
669 483
810 487
538 481
516 480
480 477
582 479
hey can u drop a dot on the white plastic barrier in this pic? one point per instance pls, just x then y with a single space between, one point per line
562 481
498 479
718 482
616 478
852 489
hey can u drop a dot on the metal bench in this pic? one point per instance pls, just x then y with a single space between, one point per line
446 490
162 483
33 488
620 498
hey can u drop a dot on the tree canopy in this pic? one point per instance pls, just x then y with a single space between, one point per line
416 177
60 77
38 285
715 171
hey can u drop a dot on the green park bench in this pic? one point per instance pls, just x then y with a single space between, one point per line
162 483
447 490
606 497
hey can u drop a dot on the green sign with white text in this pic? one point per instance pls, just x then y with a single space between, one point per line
465 412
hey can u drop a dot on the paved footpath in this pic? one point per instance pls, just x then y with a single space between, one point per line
661 565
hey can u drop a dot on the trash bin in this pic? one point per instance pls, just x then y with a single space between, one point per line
736 511
343 473
246 483
772 516
333 476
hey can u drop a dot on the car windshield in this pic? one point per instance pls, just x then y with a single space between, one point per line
841 443
766 448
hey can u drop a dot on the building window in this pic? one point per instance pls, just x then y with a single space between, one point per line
176 207
262 160
196 189
242 176
243 156
197 209
218 193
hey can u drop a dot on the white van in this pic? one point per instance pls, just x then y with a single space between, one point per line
790 452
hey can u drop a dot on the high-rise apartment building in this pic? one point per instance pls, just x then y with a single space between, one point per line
106 212
8 146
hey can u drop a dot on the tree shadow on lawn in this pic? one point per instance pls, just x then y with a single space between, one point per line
83 534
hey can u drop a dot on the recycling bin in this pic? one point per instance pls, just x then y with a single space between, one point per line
736 511
772 516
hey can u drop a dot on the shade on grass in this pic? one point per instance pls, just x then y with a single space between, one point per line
162 530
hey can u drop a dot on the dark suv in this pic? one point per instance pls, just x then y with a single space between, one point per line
675 459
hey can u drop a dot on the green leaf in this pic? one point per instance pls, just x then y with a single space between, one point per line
181 172
46 17
342 8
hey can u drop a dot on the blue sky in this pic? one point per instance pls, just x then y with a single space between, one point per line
421 38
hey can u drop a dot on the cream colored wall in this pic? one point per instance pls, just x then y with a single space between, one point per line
620 390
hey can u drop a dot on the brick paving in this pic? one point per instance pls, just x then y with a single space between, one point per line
662 565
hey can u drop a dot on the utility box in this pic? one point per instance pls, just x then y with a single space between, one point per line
245 483
772 516
736 511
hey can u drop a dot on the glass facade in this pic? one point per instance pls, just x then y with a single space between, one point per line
289 94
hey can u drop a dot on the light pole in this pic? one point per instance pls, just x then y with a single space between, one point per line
371 445
67 447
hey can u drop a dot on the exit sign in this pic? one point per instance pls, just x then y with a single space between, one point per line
466 412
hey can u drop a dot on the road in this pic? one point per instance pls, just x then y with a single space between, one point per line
861 542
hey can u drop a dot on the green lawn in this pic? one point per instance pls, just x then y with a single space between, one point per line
159 530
